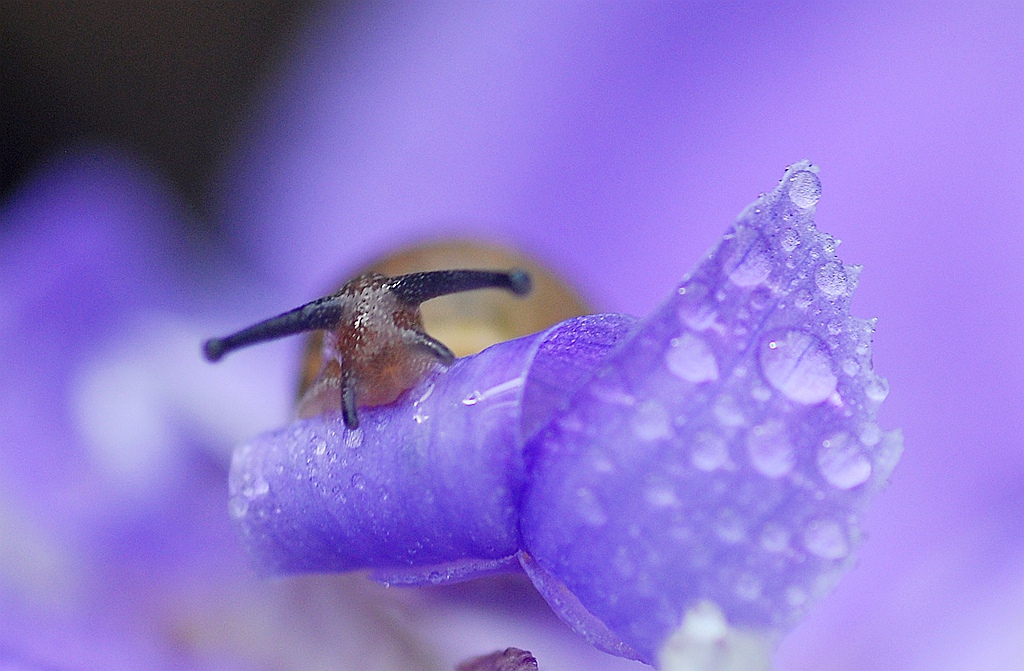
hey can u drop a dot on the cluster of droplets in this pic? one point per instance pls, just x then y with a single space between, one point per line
246 487
748 406
321 450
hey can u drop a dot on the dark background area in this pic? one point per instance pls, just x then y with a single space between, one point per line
169 81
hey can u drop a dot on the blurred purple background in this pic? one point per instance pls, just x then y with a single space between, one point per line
616 143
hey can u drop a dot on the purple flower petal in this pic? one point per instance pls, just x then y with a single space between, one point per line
610 144
721 453
724 451
428 488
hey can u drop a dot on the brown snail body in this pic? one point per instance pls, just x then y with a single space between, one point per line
375 346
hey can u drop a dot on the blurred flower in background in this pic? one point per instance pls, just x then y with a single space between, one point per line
613 145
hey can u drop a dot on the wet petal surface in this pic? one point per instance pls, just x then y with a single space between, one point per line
427 489
722 454
713 456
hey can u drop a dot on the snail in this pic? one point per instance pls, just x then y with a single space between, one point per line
375 346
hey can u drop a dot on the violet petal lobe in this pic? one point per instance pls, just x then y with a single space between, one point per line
427 489
722 454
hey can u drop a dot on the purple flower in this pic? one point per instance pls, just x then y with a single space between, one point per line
615 145
713 455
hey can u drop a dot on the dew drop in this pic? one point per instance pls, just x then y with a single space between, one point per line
841 462
589 508
238 506
354 438
425 395
750 263
612 395
319 446
729 528
708 452
774 538
650 421
831 279
690 359
260 487
728 412
661 496
790 239
870 435
473 398
804 189
695 310
623 562
358 481
825 539
747 587
795 596
705 623
769 449
877 389
797 364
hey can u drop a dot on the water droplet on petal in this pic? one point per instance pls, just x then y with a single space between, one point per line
695 309
358 481
804 189
319 446
797 364
795 596
803 299
728 412
831 279
354 438
877 389
747 587
650 421
260 487
690 358
751 263
708 452
769 449
825 539
729 527
623 562
589 508
841 462
238 506
870 435
705 622
790 239
774 538
661 496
